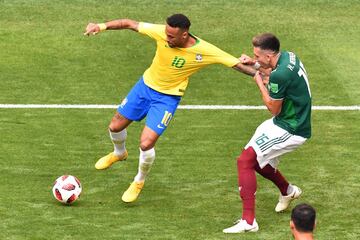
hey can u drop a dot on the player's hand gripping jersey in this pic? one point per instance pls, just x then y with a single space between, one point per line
171 67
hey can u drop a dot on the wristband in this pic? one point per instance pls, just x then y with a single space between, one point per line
102 26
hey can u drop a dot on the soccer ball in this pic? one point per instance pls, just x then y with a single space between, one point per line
67 189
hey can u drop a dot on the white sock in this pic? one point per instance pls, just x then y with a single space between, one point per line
118 139
146 159
290 189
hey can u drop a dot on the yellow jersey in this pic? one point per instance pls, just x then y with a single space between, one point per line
171 67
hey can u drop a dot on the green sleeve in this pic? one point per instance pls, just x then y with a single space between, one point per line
278 84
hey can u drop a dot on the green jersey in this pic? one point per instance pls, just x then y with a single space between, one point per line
289 82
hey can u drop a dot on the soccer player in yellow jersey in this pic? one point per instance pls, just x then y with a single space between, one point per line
157 94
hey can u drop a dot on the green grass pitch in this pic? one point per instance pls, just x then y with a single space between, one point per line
191 192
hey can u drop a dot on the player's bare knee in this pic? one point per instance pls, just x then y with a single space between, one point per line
118 123
147 144
114 127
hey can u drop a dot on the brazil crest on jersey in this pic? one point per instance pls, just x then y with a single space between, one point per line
171 67
288 81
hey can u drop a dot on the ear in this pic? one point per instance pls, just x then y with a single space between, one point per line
185 34
292 225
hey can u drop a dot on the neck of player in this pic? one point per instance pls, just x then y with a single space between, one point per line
275 60
191 41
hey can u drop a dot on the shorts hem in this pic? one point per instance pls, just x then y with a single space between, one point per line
127 117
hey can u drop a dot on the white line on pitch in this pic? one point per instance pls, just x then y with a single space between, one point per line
200 107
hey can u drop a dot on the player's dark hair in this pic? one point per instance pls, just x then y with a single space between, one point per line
303 217
266 41
178 21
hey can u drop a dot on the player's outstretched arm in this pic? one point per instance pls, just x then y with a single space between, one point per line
247 69
94 28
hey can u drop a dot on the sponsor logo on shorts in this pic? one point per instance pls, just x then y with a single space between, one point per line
159 126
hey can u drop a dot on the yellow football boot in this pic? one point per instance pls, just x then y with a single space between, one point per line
109 159
132 193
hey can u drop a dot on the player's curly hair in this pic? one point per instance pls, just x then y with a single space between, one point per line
178 21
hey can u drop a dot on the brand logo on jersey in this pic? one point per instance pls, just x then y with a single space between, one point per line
274 87
178 62
198 58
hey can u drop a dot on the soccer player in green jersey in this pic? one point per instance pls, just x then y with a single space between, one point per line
287 96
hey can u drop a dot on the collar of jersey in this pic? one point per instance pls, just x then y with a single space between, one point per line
196 43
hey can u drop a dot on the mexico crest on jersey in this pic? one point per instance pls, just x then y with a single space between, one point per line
274 87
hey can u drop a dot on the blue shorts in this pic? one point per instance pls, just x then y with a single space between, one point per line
159 108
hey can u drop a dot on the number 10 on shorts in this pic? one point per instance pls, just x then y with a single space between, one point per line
166 119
